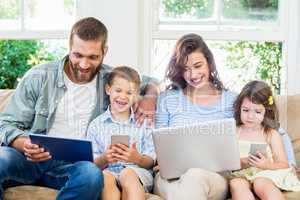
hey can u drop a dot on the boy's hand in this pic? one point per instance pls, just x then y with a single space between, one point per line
125 154
35 153
108 155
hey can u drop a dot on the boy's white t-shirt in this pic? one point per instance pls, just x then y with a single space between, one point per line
74 110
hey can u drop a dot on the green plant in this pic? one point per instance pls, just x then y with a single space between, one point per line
199 8
265 57
9 9
14 56
69 6
261 10
232 9
260 3
17 56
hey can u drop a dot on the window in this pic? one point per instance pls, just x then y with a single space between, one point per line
10 12
36 18
32 32
249 27
17 56
219 12
235 60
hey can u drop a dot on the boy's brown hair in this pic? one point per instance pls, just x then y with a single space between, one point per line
125 72
258 92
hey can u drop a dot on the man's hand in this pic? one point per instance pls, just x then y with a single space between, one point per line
126 154
145 110
35 153
32 151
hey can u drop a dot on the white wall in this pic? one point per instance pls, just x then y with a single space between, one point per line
121 20
293 48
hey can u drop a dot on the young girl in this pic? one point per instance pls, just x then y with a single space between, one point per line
266 173
127 169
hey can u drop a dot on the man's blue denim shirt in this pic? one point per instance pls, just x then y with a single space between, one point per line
33 105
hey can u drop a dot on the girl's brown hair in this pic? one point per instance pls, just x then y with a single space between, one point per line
258 92
186 45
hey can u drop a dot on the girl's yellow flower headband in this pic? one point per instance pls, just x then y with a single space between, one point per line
270 100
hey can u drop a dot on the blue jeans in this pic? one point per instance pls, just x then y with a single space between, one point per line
80 180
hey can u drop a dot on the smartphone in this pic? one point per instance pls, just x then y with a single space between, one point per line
123 139
262 148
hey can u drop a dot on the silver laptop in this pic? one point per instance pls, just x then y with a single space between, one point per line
209 145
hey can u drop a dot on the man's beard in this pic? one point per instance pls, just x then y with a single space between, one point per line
84 78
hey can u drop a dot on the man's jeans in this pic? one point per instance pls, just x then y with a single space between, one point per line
80 180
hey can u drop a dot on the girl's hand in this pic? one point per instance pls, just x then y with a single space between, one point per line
125 154
259 161
245 162
108 155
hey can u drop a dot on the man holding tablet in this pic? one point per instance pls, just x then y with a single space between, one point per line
60 99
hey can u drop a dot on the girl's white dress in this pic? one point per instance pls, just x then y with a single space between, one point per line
285 179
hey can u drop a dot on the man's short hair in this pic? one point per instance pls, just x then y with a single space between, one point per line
89 28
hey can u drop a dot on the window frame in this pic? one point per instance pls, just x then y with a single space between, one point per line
287 33
26 34
217 20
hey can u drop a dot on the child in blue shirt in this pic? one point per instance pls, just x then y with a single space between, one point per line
127 170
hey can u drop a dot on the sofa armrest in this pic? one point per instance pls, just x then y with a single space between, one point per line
5 96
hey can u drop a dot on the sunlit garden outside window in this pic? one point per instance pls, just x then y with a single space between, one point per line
219 10
21 17
36 14
17 56
238 60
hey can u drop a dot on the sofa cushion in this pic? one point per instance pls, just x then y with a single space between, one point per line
288 196
28 192
4 98
292 195
293 127
289 112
